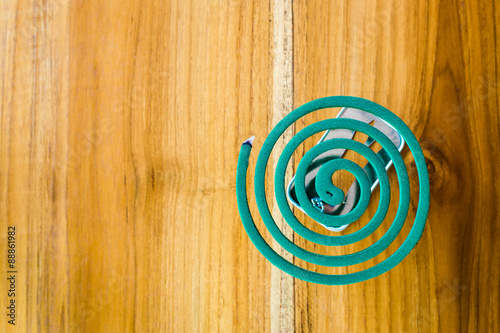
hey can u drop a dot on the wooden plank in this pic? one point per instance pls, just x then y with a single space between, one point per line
433 64
33 171
282 284
118 158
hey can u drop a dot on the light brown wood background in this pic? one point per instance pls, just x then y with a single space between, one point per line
120 126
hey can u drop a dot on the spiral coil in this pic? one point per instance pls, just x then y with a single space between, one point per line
332 195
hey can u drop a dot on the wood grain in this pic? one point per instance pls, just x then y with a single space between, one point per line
120 127
282 284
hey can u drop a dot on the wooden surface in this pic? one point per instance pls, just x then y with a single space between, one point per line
120 126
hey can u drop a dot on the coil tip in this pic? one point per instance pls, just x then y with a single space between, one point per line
249 141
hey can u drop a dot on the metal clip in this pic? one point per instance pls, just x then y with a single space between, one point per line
352 196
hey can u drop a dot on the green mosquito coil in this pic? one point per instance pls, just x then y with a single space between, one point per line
329 194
